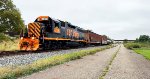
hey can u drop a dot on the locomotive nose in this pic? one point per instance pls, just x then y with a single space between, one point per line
25 46
25 43
28 44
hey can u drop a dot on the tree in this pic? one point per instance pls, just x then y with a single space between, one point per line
10 17
144 38
137 40
125 41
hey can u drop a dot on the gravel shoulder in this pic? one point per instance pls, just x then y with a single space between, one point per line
129 65
29 58
89 67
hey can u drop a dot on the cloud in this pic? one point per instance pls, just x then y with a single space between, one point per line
119 19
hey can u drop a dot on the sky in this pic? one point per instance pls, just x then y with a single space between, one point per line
118 19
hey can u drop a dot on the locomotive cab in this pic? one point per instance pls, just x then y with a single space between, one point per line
46 23
50 25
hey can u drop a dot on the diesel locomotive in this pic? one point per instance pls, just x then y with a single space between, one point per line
48 33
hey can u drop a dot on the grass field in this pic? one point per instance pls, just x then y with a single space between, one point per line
140 48
143 51
10 45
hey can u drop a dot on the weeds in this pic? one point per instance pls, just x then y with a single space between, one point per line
10 45
132 45
109 64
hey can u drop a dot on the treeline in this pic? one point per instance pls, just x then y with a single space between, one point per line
10 19
143 38
142 41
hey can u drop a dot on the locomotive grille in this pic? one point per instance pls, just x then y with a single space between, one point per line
34 29
25 43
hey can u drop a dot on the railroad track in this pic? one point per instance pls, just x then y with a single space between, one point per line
17 52
11 53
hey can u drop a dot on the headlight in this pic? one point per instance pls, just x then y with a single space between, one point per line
32 37
44 18
21 38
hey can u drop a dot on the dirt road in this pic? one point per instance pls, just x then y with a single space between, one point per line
126 65
89 67
129 65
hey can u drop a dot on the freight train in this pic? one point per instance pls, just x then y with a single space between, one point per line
48 33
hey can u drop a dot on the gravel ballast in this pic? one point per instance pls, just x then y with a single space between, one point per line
29 58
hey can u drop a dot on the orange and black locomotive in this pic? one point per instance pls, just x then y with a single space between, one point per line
47 33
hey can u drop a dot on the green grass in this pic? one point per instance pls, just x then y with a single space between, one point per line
143 51
140 48
18 71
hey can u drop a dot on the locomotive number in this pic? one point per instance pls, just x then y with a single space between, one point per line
70 32
75 34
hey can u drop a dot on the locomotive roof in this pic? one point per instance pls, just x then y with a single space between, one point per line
50 18
56 20
80 28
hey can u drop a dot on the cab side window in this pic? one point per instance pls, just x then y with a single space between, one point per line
57 27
